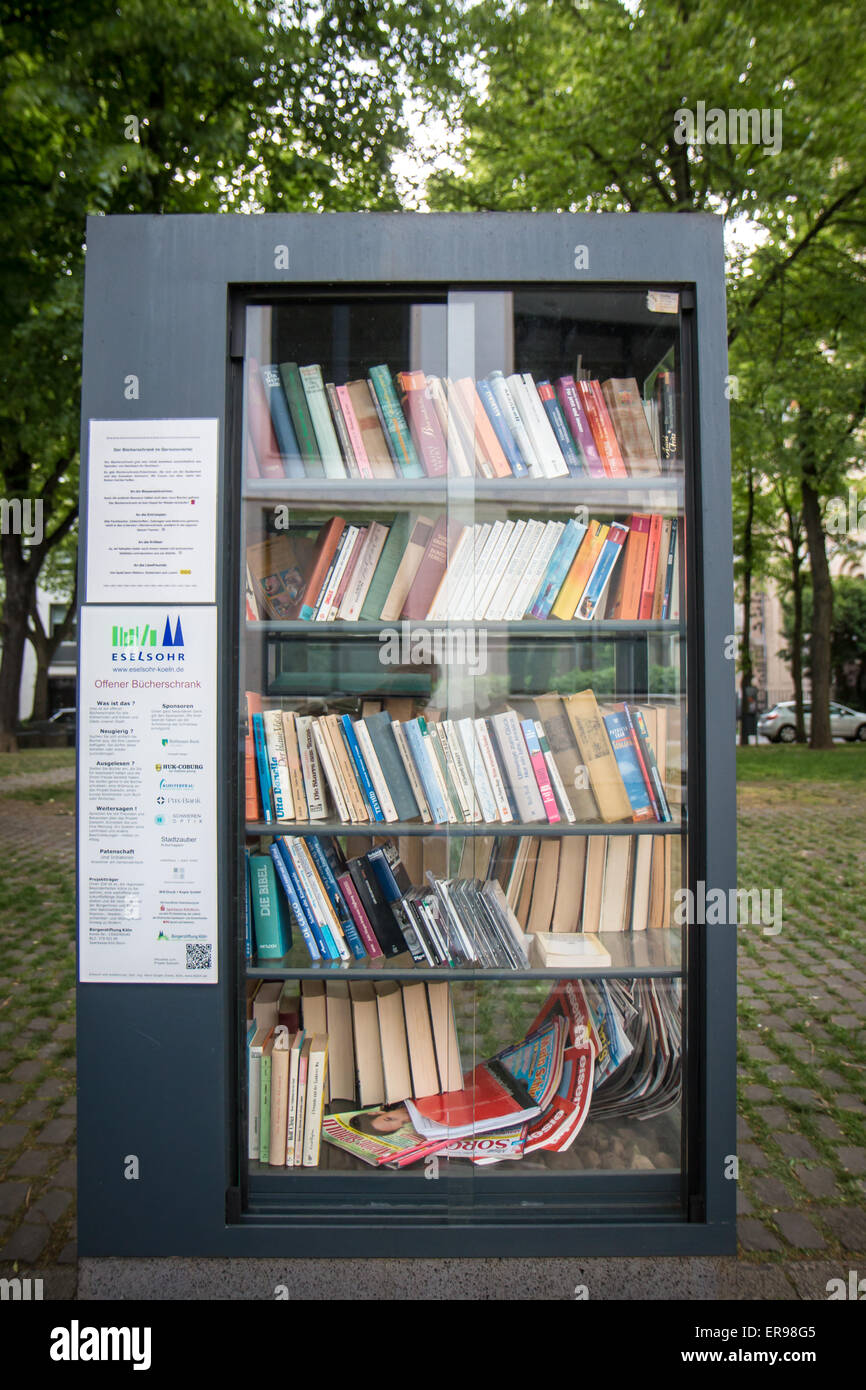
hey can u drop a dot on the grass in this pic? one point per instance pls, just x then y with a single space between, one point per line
785 763
35 760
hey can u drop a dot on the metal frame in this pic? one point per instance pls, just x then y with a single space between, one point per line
156 1072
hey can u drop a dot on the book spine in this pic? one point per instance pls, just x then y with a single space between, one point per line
353 430
553 772
314 1108
294 902
326 607
293 466
343 439
552 457
395 423
652 766
262 765
359 916
502 429
327 763
301 419
514 420
528 587
426 432
411 771
431 741
265 1109
374 768
560 563
480 780
491 766
296 776
464 778
249 950
627 760
317 400
312 897
310 768
338 903
364 572
597 582
576 419
517 766
278 765
422 759
669 569
573 462
539 767
602 429
364 779
651 564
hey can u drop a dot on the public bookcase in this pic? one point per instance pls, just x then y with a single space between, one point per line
377 753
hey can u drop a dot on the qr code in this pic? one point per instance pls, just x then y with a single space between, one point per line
198 957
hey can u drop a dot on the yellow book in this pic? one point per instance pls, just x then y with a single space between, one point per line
588 552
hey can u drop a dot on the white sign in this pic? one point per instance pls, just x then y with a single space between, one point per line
147 814
151 517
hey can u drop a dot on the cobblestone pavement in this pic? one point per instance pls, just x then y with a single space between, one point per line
802 1049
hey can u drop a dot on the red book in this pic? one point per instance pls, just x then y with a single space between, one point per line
261 430
424 423
539 767
429 574
491 1098
628 600
326 548
359 916
648 584
644 769
602 429
251 779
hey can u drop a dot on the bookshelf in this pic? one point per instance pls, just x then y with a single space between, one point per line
552 840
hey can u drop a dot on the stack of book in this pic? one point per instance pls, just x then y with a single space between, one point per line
555 759
413 425
287 1078
424 568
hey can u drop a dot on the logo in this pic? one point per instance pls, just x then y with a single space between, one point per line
141 645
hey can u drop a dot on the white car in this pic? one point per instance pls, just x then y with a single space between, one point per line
779 724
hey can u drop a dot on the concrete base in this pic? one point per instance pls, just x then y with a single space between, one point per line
699 1279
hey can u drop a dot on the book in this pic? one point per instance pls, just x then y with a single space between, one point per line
428 575
293 466
353 430
403 447
629 763
278 764
392 1035
363 573
293 1140
597 756
602 429
369 1077
567 447
591 600
279 1096
314 1109
578 424
419 1036
410 561
262 767
445 1040
273 932
320 413
424 426
490 1098
326 545
517 766
301 419
567 600
627 415
278 567
386 568
502 429
373 443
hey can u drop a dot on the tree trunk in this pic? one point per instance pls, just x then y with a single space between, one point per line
746 650
822 617
13 628
797 645
45 645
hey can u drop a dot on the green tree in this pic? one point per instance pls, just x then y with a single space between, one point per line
116 106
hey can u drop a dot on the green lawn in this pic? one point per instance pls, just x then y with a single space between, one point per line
783 763
35 760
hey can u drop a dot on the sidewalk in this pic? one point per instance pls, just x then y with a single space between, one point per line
802 1145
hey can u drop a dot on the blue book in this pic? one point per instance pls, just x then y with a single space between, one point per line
288 886
378 862
619 733
337 901
273 932
293 464
357 757
262 765
501 429
248 919
326 950
669 569
560 564
602 570
421 759
561 430
322 928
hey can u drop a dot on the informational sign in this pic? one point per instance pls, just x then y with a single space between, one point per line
151 516
147 814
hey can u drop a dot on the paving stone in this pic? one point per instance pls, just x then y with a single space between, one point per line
782 1072
798 1230
69 1107
66 1174
811 1277
9 1091
798 1095
757 1092
796 1146
743 1130
852 1158
26 1243
753 1235
848 1224
54 1086
12 1135
847 1021
28 1071
57 1131
818 1182
53 1204
829 1128
744 1206
774 1116
35 1161
12 1195
850 1103
751 1156
31 1110
772 1192
69 1254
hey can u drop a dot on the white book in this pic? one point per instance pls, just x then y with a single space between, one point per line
491 767
320 411
411 770
362 576
319 900
443 599
480 780
436 770
528 587
278 763
315 1106
292 1124
463 586
254 1096
496 565
482 557
460 772
515 570
552 458
327 763
523 399
326 607
675 576
374 767
518 768
556 781
311 769
514 419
